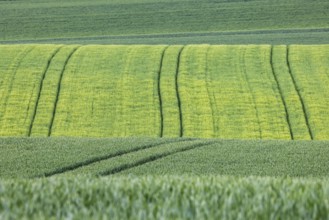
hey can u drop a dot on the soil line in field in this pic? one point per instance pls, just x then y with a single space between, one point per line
108 156
159 90
40 88
281 94
152 158
177 93
59 89
299 95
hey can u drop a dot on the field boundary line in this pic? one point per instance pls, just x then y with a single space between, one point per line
22 55
40 88
97 159
177 93
252 94
281 93
159 90
59 89
298 93
152 158
170 35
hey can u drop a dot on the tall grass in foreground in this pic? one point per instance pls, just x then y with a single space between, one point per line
165 197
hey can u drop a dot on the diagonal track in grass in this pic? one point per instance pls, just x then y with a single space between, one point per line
152 158
177 93
59 89
281 94
159 91
40 88
93 160
299 95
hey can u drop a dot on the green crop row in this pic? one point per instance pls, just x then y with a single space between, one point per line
165 197
221 91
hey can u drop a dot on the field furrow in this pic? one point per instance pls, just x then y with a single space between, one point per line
169 92
270 109
23 91
159 92
48 93
281 95
58 91
90 163
301 99
309 67
40 88
154 157
132 158
290 97
178 94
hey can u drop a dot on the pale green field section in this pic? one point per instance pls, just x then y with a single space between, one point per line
21 85
110 91
221 91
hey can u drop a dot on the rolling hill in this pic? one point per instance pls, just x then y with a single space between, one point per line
164 109
204 91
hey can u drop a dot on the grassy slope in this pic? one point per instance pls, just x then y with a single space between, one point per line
167 21
32 157
244 158
254 91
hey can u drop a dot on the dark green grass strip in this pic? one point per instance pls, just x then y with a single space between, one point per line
299 95
106 157
59 89
169 35
281 94
159 91
151 159
40 89
181 131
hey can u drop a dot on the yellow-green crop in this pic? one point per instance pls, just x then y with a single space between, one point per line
222 91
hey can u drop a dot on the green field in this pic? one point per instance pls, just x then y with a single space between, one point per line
45 157
164 109
165 22
202 91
